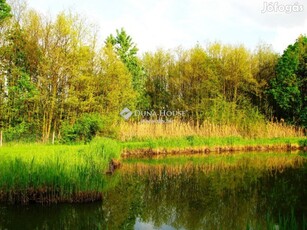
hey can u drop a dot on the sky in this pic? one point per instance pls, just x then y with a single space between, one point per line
168 24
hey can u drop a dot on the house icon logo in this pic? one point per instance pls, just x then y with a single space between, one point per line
126 113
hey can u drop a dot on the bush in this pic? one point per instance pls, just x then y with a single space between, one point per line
20 132
83 130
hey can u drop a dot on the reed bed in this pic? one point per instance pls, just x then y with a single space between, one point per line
50 174
146 130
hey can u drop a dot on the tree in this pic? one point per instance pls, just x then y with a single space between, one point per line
5 10
113 90
289 87
157 66
237 70
127 50
198 84
54 78
264 60
18 89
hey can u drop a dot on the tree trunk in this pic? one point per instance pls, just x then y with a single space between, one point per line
53 136
1 138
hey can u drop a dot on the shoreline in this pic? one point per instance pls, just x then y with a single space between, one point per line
148 152
200 145
37 173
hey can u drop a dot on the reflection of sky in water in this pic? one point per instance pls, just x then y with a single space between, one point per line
139 225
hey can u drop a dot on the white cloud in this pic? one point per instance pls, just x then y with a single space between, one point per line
170 23
286 36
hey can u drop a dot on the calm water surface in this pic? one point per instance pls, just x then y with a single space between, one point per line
251 194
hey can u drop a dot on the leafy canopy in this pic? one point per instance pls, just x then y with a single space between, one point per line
289 87
5 10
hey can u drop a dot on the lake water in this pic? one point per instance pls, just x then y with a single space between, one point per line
192 193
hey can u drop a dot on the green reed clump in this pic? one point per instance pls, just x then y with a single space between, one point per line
210 142
61 173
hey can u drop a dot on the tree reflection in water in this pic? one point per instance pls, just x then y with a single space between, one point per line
257 193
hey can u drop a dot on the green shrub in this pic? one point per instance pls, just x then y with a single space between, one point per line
20 132
83 130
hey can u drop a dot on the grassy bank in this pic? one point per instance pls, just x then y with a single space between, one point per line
77 173
152 138
49 174
197 144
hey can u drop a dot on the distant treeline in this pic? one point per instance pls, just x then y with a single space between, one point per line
56 80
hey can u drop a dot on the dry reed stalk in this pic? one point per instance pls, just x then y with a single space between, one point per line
138 130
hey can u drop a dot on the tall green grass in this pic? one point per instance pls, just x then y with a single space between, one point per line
60 173
77 173
211 142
